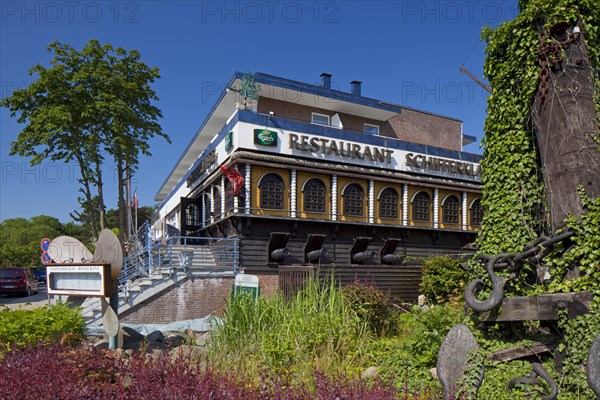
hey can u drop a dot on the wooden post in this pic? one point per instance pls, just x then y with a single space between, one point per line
566 122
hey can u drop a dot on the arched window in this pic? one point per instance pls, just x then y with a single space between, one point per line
476 212
314 196
192 215
450 210
271 191
388 203
353 200
420 207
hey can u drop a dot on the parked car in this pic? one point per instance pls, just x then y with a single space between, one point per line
18 280
40 274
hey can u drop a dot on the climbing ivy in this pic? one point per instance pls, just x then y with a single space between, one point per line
513 194
584 253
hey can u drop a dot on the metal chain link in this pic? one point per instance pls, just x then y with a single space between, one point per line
532 254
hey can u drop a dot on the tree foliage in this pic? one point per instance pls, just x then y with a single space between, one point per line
89 105
20 238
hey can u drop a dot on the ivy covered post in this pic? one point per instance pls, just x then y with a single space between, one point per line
519 156
566 122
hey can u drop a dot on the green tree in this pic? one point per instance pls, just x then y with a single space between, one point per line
89 104
20 239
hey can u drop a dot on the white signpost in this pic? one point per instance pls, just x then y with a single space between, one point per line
76 272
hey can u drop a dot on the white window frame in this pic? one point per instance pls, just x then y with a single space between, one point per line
312 119
371 126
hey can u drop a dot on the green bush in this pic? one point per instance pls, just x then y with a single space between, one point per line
372 306
21 328
443 279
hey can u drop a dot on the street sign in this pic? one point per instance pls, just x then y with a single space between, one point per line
46 259
45 243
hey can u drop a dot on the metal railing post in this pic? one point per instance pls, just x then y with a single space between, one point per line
149 247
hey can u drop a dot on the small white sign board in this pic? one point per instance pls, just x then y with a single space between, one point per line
244 280
79 279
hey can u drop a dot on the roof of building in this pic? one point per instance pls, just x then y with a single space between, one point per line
280 89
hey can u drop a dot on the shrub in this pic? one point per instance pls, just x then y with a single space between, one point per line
372 306
443 279
66 374
21 328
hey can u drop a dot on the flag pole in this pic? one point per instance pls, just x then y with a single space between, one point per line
136 211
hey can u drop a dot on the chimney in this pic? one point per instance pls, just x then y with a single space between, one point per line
355 87
326 80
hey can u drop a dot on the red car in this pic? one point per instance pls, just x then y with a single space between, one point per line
18 280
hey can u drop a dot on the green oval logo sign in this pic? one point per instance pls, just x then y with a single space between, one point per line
265 137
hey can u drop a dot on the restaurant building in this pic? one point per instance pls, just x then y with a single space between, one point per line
309 176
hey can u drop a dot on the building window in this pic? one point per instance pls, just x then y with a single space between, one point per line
314 196
388 203
476 213
217 197
228 196
353 200
271 191
420 207
450 210
320 119
192 215
371 129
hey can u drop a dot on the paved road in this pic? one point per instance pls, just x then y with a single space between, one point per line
15 301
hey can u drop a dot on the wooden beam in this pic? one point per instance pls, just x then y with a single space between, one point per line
540 308
535 349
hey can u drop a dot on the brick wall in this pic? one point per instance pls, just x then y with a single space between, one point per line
268 283
190 299
420 127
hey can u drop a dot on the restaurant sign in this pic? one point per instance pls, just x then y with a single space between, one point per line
421 161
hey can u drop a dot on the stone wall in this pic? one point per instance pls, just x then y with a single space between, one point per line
192 299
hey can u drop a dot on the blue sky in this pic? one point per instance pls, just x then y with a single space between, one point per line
405 52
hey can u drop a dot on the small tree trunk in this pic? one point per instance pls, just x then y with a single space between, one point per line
121 200
85 180
101 213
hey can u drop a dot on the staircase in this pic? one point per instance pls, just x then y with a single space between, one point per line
155 267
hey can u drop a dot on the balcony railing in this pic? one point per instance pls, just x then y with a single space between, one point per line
302 215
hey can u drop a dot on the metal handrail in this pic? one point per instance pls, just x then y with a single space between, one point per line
224 252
